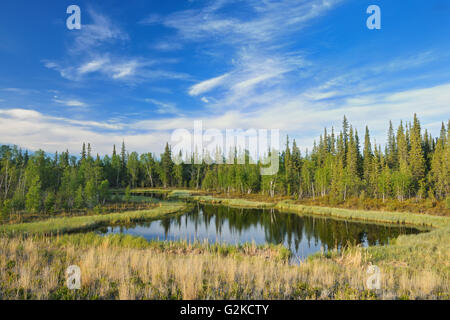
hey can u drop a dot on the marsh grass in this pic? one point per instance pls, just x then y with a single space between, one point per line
117 205
364 215
89 240
236 203
239 203
200 196
126 267
32 264
83 223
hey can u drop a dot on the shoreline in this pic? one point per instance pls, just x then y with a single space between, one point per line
86 223
388 217
413 266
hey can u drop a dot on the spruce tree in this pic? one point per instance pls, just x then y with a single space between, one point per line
367 156
416 157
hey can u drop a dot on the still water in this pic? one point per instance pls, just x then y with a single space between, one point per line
303 235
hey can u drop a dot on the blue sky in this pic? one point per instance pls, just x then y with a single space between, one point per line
137 70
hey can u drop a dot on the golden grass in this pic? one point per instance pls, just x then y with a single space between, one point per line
34 268
125 267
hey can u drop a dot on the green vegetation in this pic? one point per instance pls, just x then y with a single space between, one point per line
375 216
126 267
412 172
81 223
413 167
150 190
240 203
92 240
404 218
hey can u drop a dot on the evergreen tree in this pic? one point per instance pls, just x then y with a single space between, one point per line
416 157
368 156
83 152
34 196
167 166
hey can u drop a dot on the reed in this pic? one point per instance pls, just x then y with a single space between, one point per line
124 267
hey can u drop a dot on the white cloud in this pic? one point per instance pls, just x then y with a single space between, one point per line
299 116
264 21
33 130
164 107
126 69
256 80
263 87
70 102
91 56
207 85
101 31
168 46
91 66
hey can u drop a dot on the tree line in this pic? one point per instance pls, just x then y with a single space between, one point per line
412 164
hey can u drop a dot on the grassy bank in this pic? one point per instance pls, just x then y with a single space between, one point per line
125 267
363 215
82 223
414 205
405 218
199 196
238 203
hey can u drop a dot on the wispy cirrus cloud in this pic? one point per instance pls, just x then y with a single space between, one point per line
94 53
167 46
252 68
346 81
164 107
256 41
207 85
254 76
70 102
124 69
263 21
19 91
102 31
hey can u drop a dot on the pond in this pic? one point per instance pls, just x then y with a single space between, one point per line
302 234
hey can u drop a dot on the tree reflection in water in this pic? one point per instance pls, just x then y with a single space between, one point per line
304 235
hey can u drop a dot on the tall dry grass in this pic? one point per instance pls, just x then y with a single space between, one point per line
34 268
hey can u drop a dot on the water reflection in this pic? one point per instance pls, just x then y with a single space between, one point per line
303 235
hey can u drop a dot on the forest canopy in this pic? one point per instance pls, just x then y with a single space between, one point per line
413 164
